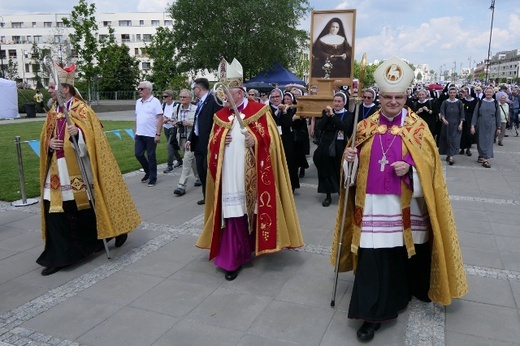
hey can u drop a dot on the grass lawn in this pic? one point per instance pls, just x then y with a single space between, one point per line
123 150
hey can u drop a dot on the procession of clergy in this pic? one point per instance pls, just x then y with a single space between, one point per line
399 233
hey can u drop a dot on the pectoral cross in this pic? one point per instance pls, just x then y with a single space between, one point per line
383 162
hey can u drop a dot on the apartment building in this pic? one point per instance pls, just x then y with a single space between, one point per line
20 34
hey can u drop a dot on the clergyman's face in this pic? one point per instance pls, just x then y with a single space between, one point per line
392 103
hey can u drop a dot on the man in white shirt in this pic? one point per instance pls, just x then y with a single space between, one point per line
148 124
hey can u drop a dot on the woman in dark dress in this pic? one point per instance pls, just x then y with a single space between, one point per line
467 139
283 116
424 108
452 116
335 124
300 136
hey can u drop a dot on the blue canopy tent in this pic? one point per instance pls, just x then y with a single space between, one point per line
276 74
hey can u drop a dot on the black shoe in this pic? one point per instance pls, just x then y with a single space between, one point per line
506 135
177 164
367 330
468 152
326 202
179 191
461 152
50 270
302 173
121 239
450 161
201 202
145 179
198 183
152 183
168 170
231 274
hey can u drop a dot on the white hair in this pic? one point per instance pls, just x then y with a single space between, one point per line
147 84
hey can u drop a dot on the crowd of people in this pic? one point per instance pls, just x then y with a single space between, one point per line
248 151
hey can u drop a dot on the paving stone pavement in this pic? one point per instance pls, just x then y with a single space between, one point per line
159 289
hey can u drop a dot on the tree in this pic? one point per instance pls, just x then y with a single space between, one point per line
419 76
119 70
84 39
369 73
257 33
165 73
11 72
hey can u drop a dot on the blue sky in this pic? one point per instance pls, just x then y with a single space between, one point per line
438 32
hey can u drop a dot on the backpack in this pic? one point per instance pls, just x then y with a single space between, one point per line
480 104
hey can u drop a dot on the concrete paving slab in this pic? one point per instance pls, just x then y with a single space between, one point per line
129 327
293 322
230 309
189 332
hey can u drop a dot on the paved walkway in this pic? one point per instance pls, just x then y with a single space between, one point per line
159 289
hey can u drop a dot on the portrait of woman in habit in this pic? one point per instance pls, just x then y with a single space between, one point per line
332 44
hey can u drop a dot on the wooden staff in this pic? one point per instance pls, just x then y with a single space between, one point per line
349 181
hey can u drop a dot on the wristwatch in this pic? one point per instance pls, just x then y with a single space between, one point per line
157 134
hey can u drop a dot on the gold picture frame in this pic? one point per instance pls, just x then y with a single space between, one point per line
332 44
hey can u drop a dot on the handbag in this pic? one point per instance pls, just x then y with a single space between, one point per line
332 146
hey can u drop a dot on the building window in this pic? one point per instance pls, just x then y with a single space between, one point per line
107 23
156 23
27 68
147 37
141 22
125 23
168 22
146 65
58 38
12 53
138 37
59 24
17 25
47 24
38 39
34 24
125 38
29 38
17 39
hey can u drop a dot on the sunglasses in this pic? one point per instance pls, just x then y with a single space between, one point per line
251 94
165 96
367 97
141 89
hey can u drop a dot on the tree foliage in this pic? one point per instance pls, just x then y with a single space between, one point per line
369 73
165 73
84 38
257 33
117 69
11 72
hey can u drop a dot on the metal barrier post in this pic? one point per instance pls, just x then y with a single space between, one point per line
24 201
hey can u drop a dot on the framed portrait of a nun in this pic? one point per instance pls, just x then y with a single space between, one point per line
332 45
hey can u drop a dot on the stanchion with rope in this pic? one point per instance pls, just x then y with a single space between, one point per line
24 201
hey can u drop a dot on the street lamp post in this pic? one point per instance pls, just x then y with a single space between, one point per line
492 8
2 55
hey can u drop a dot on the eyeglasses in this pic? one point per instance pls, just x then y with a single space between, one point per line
367 97
395 97
141 89
165 96
251 94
